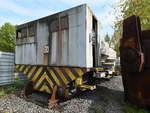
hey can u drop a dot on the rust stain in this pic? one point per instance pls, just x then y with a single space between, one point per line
136 84
67 38
59 48
130 42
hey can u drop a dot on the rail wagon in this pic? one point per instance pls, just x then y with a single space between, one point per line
59 53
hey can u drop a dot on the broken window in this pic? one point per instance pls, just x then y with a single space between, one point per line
18 33
24 32
54 25
64 22
31 30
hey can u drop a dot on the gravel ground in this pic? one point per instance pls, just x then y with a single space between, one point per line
105 99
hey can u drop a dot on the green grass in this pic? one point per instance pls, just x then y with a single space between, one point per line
11 89
19 85
131 109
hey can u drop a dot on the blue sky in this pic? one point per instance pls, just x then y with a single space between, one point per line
21 11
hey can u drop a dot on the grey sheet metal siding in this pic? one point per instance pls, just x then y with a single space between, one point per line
66 35
6 68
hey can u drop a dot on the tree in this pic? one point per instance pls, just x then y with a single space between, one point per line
127 8
115 41
107 39
7 37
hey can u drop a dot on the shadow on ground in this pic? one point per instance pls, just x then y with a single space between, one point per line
105 99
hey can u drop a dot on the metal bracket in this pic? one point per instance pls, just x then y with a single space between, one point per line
53 102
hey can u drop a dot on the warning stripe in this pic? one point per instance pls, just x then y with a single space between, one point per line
26 70
54 76
79 71
61 75
21 68
37 73
70 74
45 77
45 88
74 72
45 82
16 66
58 76
31 71
33 74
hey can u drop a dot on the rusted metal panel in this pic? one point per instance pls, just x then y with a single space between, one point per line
137 87
146 44
136 84
130 48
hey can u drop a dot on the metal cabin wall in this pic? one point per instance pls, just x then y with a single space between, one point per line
89 50
6 68
77 37
42 40
25 50
68 45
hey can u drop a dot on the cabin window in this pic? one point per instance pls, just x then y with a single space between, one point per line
31 30
64 22
54 25
24 32
18 33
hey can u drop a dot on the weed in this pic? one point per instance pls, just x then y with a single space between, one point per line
19 85
11 89
131 109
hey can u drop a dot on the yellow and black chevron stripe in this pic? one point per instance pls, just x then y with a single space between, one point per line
46 77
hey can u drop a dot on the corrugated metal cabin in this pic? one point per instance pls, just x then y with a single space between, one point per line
61 39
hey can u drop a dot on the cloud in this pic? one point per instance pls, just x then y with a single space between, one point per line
77 2
13 7
18 12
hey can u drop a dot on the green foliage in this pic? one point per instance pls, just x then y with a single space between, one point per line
7 90
7 38
140 8
11 89
116 41
19 85
127 8
131 109
107 38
